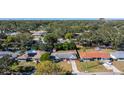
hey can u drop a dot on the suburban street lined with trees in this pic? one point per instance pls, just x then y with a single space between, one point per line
45 46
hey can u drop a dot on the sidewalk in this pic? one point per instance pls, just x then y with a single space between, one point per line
115 69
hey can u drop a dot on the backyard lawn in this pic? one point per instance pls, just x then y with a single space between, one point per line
93 66
93 49
119 65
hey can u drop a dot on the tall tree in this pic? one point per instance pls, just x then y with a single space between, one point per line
68 36
50 39
5 64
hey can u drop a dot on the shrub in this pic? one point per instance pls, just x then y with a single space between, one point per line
45 56
26 68
65 46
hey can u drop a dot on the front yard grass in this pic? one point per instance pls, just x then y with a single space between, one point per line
119 65
27 64
93 66
66 66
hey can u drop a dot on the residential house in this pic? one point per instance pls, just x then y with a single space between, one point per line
12 33
94 55
38 34
64 56
76 35
11 54
61 40
118 55
31 55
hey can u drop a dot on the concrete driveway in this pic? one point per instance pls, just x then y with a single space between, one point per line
111 67
74 67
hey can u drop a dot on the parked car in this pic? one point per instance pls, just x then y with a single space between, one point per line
109 63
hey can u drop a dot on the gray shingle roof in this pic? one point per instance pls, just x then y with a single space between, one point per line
118 54
4 53
65 55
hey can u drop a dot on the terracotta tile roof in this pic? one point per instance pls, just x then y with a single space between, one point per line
94 54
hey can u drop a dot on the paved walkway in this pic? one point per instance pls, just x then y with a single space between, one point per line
111 67
74 67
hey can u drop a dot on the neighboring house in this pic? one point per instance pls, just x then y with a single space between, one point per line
61 40
13 33
30 55
11 54
95 55
118 55
65 55
76 35
38 34
7 32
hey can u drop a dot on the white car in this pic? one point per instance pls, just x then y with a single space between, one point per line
109 63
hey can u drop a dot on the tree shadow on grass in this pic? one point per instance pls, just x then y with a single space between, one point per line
93 66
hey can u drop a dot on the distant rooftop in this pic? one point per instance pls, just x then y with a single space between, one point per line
37 33
4 53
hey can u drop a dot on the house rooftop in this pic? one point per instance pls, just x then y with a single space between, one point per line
4 53
94 54
118 54
31 51
38 33
13 33
36 56
65 54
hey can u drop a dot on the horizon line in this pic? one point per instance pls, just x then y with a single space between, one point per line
60 18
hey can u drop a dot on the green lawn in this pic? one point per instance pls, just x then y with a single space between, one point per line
27 64
93 66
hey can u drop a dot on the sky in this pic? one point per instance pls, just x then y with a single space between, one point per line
59 18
